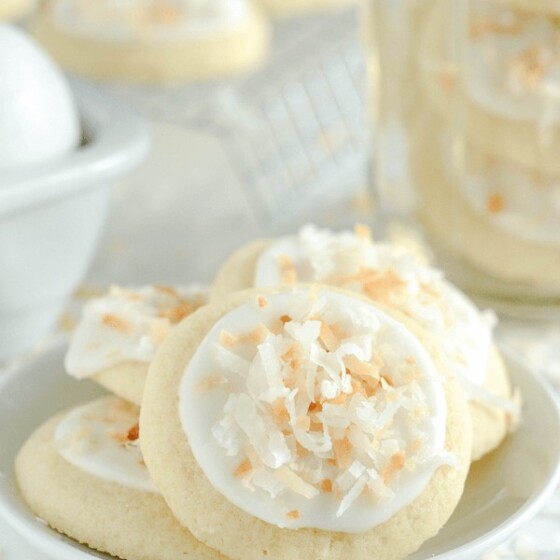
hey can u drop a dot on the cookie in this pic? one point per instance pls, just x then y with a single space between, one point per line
82 473
495 409
311 424
283 9
456 225
159 42
120 332
511 68
388 275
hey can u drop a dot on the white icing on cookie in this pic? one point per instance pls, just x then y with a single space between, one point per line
516 199
389 275
101 439
514 68
149 20
128 325
309 408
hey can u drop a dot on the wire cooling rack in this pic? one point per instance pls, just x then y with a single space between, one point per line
296 131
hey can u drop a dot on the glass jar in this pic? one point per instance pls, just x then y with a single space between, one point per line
466 117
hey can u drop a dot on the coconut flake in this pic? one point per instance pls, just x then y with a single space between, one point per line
352 495
292 481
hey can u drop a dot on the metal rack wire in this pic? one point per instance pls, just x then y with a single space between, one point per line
295 131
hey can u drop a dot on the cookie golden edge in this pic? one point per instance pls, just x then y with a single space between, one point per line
490 425
126 380
238 535
234 52
105 516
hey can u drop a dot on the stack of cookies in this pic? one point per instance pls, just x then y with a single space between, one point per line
323 399
498 208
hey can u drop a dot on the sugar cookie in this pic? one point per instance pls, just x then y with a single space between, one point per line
120 332
159 41
267 400
511 111
454 223
82 473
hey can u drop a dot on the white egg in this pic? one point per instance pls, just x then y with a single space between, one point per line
39 119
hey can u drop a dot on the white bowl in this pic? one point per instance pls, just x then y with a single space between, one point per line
502 493
51 217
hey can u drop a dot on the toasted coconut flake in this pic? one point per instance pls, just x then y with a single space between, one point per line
228 340
343 452
280 412
257 335
379 286
178 312
301 451
115 322
212 382
169 290
359 368
495 203
395 464
243 469
328 338
303 423
134 432
294 514
295 483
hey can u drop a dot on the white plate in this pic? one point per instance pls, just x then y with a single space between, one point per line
503 491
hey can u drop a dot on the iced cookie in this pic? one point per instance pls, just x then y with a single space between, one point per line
292 8
120 332
480 220
154 41
311 424
11 10
391 276
82 473
511 77
516 200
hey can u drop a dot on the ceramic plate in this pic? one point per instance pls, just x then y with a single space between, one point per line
503 490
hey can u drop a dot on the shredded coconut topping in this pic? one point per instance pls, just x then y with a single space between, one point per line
128 325
331 402
390 275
